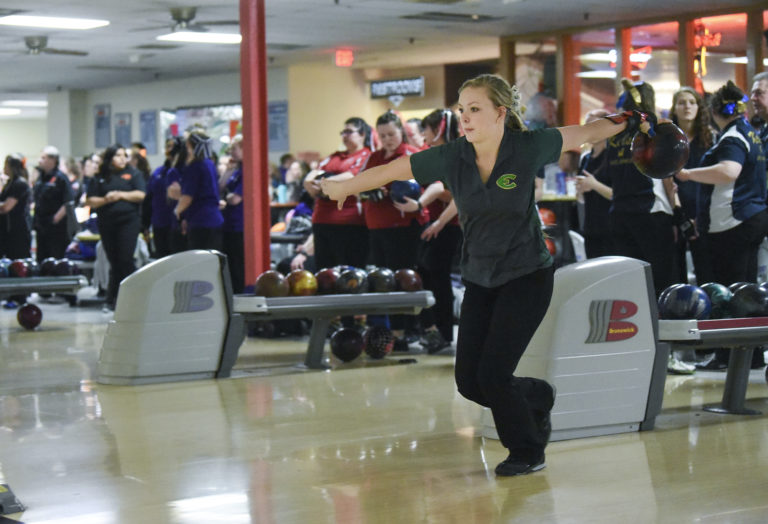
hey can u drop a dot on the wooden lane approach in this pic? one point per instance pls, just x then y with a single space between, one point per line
740 335
177 319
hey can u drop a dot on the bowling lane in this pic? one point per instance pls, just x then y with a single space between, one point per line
378 443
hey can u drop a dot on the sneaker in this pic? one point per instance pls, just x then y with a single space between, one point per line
401 346
513 466
10 304
678 367
433 341
712 365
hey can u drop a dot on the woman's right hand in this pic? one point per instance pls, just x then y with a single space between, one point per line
585 182
432 230
334 190
174 191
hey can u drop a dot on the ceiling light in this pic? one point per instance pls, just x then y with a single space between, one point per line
24 103
202 38
740 60
610 56
52 22
9 111
597 74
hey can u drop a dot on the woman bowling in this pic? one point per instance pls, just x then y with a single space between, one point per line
490 172
732 207
116 195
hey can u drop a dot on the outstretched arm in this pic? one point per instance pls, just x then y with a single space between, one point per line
575 136
379 176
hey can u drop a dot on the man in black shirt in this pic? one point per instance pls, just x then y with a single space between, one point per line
52 193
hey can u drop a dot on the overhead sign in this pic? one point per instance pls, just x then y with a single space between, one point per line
402 87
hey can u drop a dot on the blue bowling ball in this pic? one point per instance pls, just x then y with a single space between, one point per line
404 188
684 301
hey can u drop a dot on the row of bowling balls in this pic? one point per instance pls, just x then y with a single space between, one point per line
28 267
347 343
712 300
337 280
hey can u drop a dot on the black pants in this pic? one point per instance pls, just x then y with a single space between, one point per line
204 238
119 239
598 246
338 244
52 241
702 259
178 241
161 238
232 246
396 248
734 251
649 237
495 327
435 261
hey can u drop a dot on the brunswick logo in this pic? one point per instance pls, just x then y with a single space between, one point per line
607 321
507 181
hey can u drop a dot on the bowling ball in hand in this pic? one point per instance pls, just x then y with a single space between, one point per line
347 344
271 284
399 189
720 296
326 281
48 267
29 316
408 280
19 269
379 342
301 282
684 301
750 300
352 281
661 155
381 280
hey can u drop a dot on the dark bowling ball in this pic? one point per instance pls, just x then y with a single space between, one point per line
736 285
19 269
29 316
381 280
3 271
65 267
404 188
663 154
750 300
301 283
347 344
326 281
407 280
684 301
352 281
379 342
271 284
48 267
720 297
34 267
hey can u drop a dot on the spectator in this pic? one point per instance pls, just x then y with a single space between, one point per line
52 194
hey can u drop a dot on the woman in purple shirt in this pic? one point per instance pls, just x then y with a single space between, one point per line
232 230
199 200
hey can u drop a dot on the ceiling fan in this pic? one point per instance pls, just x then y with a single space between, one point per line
37 45
183 20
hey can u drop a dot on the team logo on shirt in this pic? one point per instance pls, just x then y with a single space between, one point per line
607 321
126 176
507 181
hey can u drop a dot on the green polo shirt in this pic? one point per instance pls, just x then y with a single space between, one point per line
502 231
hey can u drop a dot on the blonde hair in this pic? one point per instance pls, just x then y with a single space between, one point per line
501 94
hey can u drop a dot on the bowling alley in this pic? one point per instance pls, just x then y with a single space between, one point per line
352 261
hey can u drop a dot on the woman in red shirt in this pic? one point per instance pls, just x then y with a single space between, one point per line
394 234
437 251
340 236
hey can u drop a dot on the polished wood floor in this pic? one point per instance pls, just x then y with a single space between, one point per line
364 443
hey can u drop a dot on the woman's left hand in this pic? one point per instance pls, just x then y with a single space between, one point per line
409 206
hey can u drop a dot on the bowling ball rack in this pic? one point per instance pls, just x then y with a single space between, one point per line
20 286
740 335
321 310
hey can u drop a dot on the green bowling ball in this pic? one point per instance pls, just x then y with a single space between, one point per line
720 297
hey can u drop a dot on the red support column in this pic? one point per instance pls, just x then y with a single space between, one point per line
253 89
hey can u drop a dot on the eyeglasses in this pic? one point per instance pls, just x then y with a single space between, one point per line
347 132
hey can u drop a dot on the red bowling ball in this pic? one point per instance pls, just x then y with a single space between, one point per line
29 316
661 155
408 280
19 269
326 281
271 284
